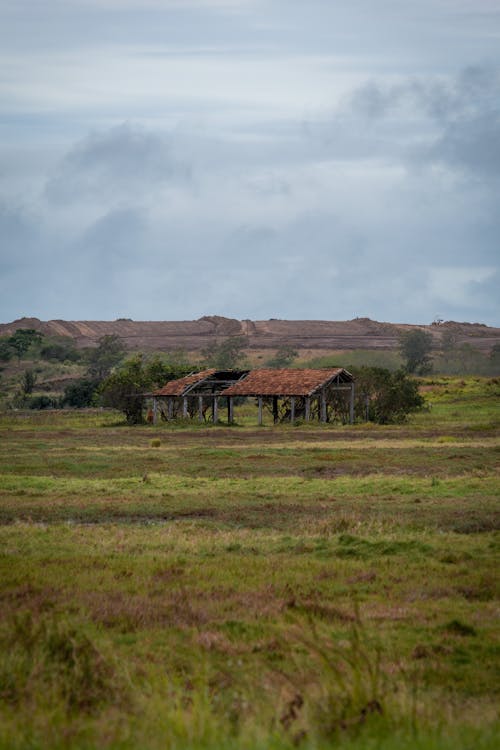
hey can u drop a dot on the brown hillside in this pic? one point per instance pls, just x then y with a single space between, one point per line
193 335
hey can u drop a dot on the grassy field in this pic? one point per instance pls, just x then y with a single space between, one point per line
314 586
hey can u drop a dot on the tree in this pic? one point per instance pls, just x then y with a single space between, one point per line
107 354
22 339
449 341
160 371
81 394
60 349
6 350
28 382
385 397
227 355
43 402
124 389
284 357
415 346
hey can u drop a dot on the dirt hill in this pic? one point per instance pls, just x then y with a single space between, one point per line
193 335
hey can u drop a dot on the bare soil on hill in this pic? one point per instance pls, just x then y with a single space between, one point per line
194 335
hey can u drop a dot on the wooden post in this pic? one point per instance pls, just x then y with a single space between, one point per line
230 415
170 411
323 406
200 408
260 409
155 411
308 408
185 407
215 410
275 409
351 405
292 409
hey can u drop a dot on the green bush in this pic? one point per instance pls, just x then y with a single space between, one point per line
81 394
385 397
43 402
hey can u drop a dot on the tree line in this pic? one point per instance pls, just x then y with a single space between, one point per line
113 379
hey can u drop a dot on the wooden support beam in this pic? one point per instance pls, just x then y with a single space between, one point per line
155 411
351 405
230 411
275 409
170 410
308 408
260 409
323 405
215 410
184 407
200 408
292 409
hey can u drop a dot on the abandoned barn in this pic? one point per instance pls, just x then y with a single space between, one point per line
322 394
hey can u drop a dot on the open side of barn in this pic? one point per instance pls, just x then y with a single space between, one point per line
297 394
289 395
195 395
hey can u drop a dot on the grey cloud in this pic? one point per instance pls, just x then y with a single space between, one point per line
122 161
454 121
473 90
114 239
471 144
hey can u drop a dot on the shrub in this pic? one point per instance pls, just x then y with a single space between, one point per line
60 351
385 397
81 394
43 402
415 347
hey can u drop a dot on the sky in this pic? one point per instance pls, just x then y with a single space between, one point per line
328 159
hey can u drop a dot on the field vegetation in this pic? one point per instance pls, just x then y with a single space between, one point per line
311 586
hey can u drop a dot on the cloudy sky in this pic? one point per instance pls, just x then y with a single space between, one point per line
168 159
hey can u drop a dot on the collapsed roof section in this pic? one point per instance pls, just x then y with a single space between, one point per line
302 383
212 382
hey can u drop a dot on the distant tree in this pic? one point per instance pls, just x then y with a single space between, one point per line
106 355
415 347
449 340
448 348
284 357
385 397
6 350
124 389
227 355
160 371
60 349
23 339
28 382
43 402
81 394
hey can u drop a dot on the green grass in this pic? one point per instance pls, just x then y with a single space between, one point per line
314 586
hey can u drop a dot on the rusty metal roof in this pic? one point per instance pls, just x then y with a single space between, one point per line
177 387
267 382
